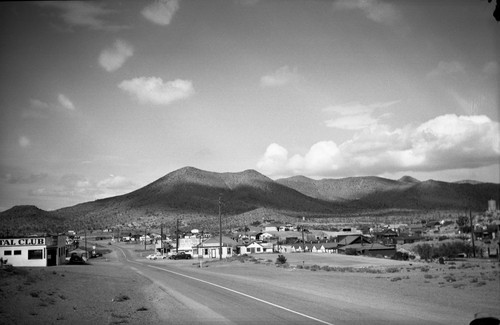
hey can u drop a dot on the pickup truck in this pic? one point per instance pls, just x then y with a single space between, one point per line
180 256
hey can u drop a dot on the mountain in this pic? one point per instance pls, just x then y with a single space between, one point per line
405 193
191 191
341 190
194 193
26 219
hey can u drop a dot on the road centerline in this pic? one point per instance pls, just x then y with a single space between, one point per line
242 294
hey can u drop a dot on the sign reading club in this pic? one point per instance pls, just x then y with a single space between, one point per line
22 242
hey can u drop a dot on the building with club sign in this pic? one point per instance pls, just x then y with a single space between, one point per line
33 251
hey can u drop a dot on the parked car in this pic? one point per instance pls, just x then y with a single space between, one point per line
155 257
180 256
75 259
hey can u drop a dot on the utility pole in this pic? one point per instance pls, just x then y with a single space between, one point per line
472 233
303 243
220 229
161 238
177 238
145 230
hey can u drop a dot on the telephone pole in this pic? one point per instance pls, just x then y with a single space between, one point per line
220 230
177 238
472 233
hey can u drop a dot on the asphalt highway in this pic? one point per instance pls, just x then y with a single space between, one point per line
190 295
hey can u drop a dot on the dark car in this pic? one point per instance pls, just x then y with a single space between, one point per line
75 259
180 256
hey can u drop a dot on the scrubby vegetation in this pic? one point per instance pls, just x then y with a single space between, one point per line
449 249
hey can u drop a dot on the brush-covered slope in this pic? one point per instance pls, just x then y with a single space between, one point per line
405 193
27 219
193 190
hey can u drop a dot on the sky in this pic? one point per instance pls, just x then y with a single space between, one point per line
98 99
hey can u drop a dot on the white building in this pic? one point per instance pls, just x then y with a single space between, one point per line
33 251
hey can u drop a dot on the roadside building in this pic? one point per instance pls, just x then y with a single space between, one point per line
210 248
33 251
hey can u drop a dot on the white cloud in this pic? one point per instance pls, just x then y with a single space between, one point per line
115 182
281 77
161 12
65 102
24 141
375 10
446 68
114 57
356 116
274 159
443 143
83 14
79 186
153 90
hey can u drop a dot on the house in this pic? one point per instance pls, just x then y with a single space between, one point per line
373 249
210 248
271 227
352 239
252 248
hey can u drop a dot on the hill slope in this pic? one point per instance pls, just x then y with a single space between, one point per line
194 192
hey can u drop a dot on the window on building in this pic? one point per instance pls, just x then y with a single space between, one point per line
258 249
7 253
17 252
35 254
229 250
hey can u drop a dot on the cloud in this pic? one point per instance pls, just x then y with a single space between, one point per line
274 159
24 141
83 14
375 10
83 188
443 143
115 182
154 91
446 68
356 116
161 12
113 58
65 102
41 110
24 179
247 3
281 77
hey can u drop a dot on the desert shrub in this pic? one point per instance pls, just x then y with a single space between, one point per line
425 251
300 266
400 256
121 298
315 267
325 268
281 259
398 278
392 270
35 294
428 276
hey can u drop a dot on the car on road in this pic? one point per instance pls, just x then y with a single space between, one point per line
180 256
155 257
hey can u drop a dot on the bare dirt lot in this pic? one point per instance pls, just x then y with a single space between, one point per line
106 293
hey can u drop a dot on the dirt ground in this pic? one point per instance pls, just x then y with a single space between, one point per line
99 293
106 293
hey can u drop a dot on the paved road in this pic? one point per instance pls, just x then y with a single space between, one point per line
193 296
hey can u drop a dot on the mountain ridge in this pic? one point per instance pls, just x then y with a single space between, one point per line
190 191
